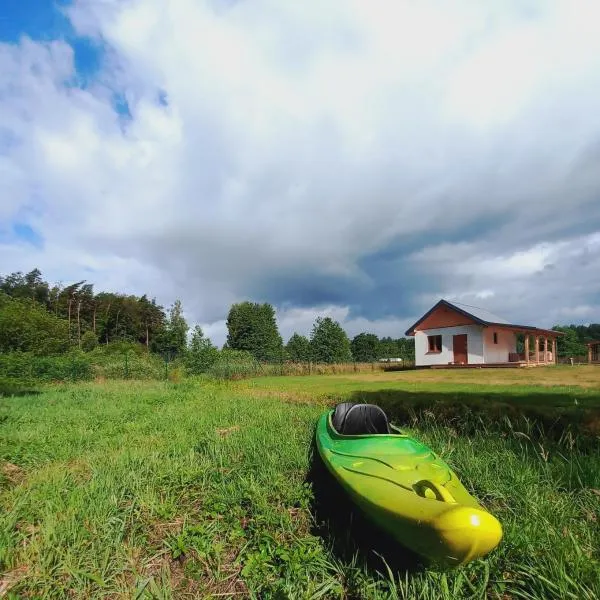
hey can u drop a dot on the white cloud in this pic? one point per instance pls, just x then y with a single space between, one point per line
301 141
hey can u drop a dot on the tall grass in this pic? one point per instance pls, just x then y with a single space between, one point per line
200 489
27 367
290 368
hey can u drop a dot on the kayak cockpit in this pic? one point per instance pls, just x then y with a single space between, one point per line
359 419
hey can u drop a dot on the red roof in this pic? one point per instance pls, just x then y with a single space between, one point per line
483 318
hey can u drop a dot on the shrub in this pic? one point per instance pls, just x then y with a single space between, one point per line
27 327
25 366
201 354
130 366
89 341
234 364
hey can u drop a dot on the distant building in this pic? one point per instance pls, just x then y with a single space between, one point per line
460 335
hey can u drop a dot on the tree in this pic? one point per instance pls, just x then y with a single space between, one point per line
252 327
388 348
201 354
31 286
173 339
406 348
89 341
569 345
298 348
27 326
365 347
329 342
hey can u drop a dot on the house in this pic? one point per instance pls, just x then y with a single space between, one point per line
593 352
454 334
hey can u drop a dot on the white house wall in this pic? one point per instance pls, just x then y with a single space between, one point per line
498 353
474 345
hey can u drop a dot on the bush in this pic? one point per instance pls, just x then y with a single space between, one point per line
201 354
105 352
25 366
234 364
130 366
89 341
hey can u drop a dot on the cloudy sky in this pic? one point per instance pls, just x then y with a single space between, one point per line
360 159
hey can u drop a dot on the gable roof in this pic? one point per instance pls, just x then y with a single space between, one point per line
479 316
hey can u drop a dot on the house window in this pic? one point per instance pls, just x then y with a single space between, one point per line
495 338
435 344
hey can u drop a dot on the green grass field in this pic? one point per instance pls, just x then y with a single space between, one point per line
200 489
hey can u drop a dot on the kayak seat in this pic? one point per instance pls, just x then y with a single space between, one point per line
359 419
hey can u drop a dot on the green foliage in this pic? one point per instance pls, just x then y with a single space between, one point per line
126 360
107 351
30 286
234 364
28 367
110 316
89 341
298 348
569 345
329 342
397 348
132 366
252 327
172 340
365 347
28 327
201 354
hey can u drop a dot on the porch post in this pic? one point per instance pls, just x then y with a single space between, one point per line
527 348
545 350
554 357
589 353
537 349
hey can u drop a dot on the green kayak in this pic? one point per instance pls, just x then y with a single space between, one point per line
403 487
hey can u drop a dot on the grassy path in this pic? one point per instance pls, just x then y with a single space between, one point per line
152 490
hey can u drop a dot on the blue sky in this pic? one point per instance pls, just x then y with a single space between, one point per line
359 160
46 20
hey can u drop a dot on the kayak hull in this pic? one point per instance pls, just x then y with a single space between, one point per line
408 491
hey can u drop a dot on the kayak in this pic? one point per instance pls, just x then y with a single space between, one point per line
404 487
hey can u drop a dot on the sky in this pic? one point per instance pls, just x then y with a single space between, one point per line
354 159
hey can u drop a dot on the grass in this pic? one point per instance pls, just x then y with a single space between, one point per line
204 489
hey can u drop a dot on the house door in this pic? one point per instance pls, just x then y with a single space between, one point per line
459 345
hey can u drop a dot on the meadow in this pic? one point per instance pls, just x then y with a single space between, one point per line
201 488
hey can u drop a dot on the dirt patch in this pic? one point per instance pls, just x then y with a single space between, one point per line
13 473
227 430
190 577
10 579
159 531
80 469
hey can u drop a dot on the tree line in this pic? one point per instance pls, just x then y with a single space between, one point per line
50 319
